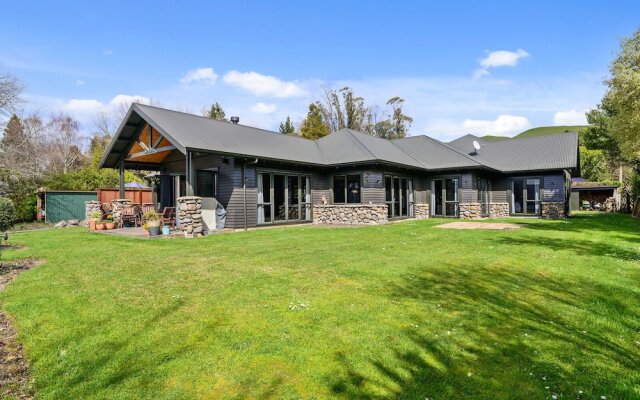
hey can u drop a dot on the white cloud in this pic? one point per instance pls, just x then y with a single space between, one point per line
499 58
127 100
83 106
205 75
264 85
263 108
503 125
80 82
569 117
107 52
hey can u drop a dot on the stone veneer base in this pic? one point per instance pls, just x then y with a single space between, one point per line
421 211
350 214
190 216
552 210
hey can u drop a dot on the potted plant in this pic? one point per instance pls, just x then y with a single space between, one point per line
152 222
109 223
94 218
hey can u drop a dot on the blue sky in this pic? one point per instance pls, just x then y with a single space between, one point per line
462 67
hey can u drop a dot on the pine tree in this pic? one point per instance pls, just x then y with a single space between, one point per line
216 112
313 127
12 132
287 127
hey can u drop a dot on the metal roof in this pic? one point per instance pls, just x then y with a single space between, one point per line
546 152
192 132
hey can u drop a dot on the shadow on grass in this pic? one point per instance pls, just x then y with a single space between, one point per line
591 222
513 336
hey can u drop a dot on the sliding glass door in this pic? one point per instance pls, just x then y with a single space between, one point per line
483 196
444 197
525 196
283 197
399 196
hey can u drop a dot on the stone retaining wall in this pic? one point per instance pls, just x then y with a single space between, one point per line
350 214
190 216
470 210
91 206
421 211
552 210
498 210
116 206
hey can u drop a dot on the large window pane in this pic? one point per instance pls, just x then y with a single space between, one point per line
452 189
437 198
205 183
387 188
339 189
403 197
353 189
264 196
279 198
294 196
517 194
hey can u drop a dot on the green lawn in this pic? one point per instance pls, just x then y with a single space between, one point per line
403 311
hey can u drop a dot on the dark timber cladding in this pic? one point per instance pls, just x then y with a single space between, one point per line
190 152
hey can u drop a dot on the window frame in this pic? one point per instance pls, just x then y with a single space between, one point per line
215 182
346 176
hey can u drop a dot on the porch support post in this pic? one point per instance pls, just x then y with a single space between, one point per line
189 174
121 181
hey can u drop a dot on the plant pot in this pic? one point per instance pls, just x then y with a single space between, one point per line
153 230
92 225
110 225
100 226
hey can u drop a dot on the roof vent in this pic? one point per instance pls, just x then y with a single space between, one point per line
235 120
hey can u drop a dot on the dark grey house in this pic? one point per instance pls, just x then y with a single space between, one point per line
262 177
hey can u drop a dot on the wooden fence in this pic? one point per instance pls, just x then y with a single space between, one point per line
135 195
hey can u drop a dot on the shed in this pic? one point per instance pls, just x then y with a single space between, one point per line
592 192
64 205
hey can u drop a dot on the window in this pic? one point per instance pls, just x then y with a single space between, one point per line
206 183
346 189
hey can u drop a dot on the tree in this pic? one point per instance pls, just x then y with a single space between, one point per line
342 109
622 100
397 125
216 112
65 142
287 127
10 91
313 127
594 165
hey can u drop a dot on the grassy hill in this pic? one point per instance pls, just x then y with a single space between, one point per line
542 130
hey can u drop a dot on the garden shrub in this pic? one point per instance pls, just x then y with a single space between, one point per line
26 208
7 214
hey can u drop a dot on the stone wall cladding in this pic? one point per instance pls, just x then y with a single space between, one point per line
498 210
552 210
190 216
116 205
470 210
421 211
91 206
350 214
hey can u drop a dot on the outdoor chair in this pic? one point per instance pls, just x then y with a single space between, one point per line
129 214
146 207
168 217
106 208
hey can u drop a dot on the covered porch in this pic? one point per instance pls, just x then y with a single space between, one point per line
142 145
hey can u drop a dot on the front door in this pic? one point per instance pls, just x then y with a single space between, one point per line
283 197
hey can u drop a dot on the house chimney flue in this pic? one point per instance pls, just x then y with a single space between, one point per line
235 120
